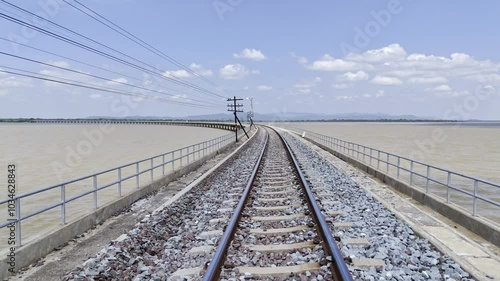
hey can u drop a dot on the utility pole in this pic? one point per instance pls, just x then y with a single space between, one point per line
251 111
234 107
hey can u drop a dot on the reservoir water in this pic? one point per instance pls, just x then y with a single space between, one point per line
48 154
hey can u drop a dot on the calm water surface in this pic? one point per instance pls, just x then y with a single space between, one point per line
468 148
45 155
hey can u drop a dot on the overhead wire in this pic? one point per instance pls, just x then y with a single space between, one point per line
93 76
81 84
98 67
136 39
99 52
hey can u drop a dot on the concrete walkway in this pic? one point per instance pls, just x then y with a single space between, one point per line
477 256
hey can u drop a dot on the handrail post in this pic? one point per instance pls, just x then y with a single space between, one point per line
163 164
63 204
137 174
474 201
94 185
120 182
173 160
399 166
187 154
378 159
448 188
180 157
152 176
411 172
371 157
387 163
427 179
18 223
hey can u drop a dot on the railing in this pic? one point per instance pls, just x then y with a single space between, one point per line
180 157
431 179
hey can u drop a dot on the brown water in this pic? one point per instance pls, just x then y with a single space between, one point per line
472 149
47 154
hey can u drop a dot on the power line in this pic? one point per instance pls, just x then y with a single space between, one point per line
137 40
99 52
97 67
93 76
95 87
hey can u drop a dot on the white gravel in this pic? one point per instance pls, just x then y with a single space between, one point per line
406 255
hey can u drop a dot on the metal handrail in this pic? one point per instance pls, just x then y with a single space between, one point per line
203 148
381 161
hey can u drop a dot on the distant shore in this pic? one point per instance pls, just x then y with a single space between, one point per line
34 120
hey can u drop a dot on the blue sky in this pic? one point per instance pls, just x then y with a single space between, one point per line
427 58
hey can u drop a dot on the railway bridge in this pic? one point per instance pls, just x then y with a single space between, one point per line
214 125
284 202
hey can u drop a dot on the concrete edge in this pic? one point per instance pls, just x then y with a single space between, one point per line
39 247
464 263
479 226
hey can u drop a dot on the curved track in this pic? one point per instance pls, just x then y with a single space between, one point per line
277 231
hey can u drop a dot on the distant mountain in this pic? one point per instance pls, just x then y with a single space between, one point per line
276 117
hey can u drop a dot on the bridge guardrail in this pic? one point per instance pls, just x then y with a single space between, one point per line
430 178
182 156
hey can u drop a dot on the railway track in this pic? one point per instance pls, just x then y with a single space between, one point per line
277 231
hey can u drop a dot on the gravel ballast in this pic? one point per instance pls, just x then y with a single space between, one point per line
406 255
159 245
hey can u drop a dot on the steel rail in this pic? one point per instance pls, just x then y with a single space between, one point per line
213 271
338 265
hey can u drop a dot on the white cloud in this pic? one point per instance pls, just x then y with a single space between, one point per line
234 72
428 80
60 64
393 65
95 96
255 71
386 80
346 98
305 90
443 88
446 91
341 86
14 82
200 70
182 73
353 76
251 54
380 93
179 97
264 88
489 89
392 52
310 83
117 81
484 78
195 66
177 74
329 63
303 86
301 60
10 82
